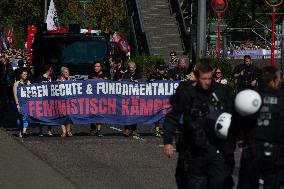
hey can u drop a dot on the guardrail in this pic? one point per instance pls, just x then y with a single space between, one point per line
185 36
141 38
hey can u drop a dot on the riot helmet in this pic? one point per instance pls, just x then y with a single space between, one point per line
222 125
247 102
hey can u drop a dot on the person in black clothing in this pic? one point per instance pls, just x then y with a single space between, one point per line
246 75
205 161
179 72
118 69
263 136
98 71
134 76
46 76
98 75
159 75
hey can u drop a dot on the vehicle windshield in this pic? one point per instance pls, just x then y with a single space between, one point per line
74 52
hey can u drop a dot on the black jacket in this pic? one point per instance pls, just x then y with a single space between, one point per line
193 104
267 124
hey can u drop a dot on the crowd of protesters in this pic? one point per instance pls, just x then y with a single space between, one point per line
16 70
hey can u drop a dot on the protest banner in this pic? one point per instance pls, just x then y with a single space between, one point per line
96 101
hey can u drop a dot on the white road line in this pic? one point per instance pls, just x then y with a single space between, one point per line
120 130
116 129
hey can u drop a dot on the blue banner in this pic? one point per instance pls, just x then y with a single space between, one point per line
96 101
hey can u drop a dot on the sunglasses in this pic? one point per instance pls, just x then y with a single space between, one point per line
218 72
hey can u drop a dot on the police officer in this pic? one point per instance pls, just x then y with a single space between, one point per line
262 136
205 161
246 75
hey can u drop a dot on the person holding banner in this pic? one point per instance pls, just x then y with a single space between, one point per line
66 129
22 120
134 76
46 77
98 75
179 72
159 75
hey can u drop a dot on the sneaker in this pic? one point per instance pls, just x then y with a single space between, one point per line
92 133
63 135
134 133
99 134
49 133
157 134
69 134
126 133
40 134
24 135
20 135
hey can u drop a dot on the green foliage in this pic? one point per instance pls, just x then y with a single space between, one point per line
146 64
100 14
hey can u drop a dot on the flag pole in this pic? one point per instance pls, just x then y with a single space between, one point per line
45 11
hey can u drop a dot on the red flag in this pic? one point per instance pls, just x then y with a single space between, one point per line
31 33
90 30
121 41
10 36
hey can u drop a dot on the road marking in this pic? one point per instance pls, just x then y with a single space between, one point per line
135 137
138 138
116 129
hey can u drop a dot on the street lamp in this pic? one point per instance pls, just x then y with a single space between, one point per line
273 4
219 6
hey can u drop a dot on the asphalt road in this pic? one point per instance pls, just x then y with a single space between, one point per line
110 162
83 161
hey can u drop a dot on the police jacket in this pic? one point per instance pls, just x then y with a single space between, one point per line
267 125
251 73
195 105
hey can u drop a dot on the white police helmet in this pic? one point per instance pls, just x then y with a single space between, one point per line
247 102
222 125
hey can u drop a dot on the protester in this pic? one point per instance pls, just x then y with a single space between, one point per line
98 75
133 75
22 120
218 76
159 75
173 61
66 129
118 70
46 77
179 72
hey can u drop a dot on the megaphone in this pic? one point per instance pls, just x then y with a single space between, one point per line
222 125
247 102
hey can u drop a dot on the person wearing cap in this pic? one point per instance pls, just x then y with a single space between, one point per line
173 60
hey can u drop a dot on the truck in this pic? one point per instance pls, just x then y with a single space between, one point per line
77 51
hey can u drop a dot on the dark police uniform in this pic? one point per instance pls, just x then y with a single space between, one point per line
251 73
204 161
263 136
